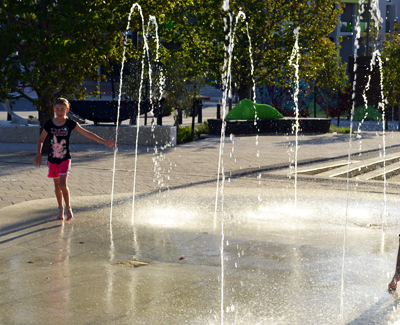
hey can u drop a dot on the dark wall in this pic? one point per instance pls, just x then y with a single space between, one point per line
362 73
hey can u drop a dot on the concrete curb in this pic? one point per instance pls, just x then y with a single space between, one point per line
148 135
17 133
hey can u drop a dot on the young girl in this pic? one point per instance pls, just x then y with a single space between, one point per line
59 159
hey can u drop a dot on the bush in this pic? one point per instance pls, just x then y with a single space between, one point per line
185 132
342 129
369 113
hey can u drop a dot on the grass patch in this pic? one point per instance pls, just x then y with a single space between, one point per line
341 129
185 132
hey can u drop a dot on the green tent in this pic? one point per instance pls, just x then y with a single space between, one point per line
360 113
246 110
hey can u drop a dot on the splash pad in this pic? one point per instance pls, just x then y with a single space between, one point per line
282 260
281 266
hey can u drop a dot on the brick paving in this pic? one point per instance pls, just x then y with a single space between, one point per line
184 165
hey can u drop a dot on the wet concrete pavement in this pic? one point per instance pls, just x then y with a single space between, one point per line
281 264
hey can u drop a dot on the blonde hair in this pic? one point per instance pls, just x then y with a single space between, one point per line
61 101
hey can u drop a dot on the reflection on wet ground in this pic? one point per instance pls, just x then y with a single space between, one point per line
282 266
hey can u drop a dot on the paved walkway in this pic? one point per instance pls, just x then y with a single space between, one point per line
158 168
54 272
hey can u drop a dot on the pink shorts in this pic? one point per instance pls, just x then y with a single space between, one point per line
55 170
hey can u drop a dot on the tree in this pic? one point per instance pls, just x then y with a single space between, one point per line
323 64
50 46
181 91
325 70
270 25
391 70
168 76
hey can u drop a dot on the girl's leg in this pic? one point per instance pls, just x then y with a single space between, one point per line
59 196
65 194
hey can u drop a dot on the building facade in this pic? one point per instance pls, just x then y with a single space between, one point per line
346 29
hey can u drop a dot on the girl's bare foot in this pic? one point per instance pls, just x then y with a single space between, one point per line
60 213
393 285
70 215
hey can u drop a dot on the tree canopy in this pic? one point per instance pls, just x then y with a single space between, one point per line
50 46
202 35
391 70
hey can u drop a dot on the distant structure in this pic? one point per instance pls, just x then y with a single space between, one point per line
390 13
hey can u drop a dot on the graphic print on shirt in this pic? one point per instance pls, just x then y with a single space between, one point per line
59 150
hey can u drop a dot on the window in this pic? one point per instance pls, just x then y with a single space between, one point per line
346 26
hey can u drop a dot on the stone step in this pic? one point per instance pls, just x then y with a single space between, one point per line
357 168
379 173
318 169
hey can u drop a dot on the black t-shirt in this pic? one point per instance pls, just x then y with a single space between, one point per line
59 140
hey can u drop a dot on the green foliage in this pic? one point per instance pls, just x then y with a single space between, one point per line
333 128
170 78
391 69
375 37
368 113
185 132
181 87
270 23
51 46
246 109
324 66
320 111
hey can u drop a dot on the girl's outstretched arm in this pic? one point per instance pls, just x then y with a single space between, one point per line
109 143
38 159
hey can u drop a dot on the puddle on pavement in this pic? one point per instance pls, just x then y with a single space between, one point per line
131 264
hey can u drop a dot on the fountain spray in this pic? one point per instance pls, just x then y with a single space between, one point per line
146 53
226 80
120 91
375 12
295 57
356 46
